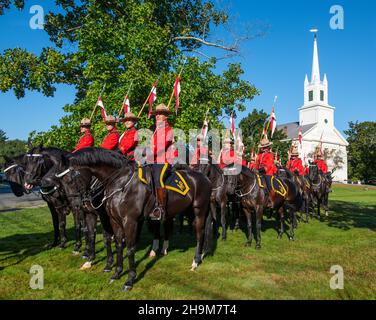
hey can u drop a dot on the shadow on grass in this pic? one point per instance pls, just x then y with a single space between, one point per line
349 215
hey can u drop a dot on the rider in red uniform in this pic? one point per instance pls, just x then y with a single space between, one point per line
295 163
129 139
112 139
319 160
252 164
265 160
201 151
229 156
87 139
161 141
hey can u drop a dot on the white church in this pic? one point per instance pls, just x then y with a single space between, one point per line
316 121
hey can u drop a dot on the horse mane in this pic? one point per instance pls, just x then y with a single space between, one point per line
95 156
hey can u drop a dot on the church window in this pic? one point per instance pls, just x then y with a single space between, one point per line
321 95
310 96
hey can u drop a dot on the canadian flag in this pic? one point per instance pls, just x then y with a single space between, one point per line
205 128
253 153
300 137
276 156
152 98
126 105
264 133
232 124
273 122
177 90
103 110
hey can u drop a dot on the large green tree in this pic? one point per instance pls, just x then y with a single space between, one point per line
118 42
362 150
252 127
10 148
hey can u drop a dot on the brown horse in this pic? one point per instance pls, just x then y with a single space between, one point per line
128 201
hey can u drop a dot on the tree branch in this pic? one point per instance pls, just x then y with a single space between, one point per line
206 43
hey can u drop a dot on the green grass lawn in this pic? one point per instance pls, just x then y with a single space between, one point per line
281 270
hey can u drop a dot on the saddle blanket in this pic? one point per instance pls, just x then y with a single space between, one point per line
173 181
273 183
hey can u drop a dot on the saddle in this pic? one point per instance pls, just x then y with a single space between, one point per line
174 181
272 183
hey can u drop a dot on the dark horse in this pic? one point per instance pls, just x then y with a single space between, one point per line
255 198
74 186
223 186
15 173
38 163
320 188
128 201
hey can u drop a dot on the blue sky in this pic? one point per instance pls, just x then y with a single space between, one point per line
275 63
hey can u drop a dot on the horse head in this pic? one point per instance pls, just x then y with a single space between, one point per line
14 170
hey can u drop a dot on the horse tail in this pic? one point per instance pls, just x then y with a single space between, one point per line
209 235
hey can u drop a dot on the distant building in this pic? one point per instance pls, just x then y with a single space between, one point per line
316 121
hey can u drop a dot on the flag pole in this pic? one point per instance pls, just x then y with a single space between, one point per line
146 101
92 113
179 75
121 108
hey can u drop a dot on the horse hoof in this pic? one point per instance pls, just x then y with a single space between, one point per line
327 213
258 247
111 281
292 239
224 238
107 269
84 257
86 265
247 244
152 254
75 253
127 288
194 266
165 253
279 236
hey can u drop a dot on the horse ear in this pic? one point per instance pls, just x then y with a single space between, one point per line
29 144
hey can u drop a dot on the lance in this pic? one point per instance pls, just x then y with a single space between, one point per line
179 75
268 122
121 108
147 99
92 113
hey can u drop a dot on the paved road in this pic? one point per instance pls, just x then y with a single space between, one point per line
9 201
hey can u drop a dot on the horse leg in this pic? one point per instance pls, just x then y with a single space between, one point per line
77 229
119 253
325 204
62 228
55 222
107 244
200 226
248 215
181 223
282 222
236 215
259 212
156 226
223 218
90 222
168 226
318 208
293 224
131 235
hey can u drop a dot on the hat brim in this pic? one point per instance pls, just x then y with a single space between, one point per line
165 112
265 145
111 122
134 119
85 125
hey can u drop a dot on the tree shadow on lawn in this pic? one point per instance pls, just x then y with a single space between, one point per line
349 215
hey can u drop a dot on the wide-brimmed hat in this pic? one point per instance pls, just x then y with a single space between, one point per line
129 116
110 120
161 109
85 122
265 143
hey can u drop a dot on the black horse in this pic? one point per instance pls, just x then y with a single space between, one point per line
320 188
14 170
223 186
128 201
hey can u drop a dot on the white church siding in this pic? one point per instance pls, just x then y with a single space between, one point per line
316 120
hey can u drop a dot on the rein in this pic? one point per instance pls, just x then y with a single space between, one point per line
49 192
241 195
114 192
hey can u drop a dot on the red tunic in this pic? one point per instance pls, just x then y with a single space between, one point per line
266 160
202 151
86 141
322 165
160 142
296 164
111 141
228 157
252 165
128 142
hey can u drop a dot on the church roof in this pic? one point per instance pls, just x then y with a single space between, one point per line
292 129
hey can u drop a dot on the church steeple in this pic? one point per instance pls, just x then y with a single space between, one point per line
315 75
316 93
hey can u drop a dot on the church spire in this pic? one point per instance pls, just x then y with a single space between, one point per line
315 76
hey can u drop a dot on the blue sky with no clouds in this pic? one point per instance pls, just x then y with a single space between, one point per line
276 63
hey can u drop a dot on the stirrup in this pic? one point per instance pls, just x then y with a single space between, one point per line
157 214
